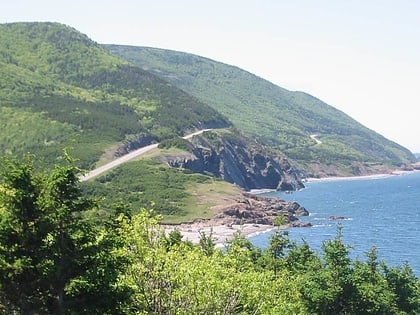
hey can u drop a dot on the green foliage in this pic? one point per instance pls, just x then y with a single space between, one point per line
56 261
50 258
174 238
405 286
274 116
301 259
279 220
338 285
59 89
177 142
375 296
279 242
207 244
44 125
146 183
182 279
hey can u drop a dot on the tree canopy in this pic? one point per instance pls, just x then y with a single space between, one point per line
56 260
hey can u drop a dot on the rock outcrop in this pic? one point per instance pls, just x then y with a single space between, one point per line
240 161
252 209
337 218
133 143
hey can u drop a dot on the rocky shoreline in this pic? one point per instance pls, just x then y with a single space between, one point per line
253 209
250 214
253 214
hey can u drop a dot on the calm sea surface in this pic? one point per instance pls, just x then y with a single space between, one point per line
382 212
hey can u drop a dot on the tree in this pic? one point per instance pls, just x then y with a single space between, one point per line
406 287
241 253
279 243
174 238
373 295
23 233
52 260
329 289
206 243
302 259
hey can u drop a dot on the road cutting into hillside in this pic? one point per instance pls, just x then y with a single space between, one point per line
314 137
129 156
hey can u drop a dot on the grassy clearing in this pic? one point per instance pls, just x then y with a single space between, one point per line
176 194
205 200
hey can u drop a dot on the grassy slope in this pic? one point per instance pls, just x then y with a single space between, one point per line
176 194
275 116
59 89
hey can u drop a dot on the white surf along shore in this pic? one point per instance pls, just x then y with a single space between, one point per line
362 177
223 233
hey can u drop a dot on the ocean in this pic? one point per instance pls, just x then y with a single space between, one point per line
382 212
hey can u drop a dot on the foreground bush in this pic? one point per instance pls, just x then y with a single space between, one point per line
56 260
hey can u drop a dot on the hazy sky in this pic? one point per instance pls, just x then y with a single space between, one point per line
362 57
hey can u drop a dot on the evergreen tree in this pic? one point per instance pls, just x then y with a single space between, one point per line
52 260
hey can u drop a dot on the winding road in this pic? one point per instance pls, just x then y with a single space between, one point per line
129 156
314 137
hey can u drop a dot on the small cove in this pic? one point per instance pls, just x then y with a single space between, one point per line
382 212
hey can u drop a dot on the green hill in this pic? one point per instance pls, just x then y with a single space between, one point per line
59 89
321 138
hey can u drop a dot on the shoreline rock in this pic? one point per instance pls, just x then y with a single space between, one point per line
250 214
337 218
253 209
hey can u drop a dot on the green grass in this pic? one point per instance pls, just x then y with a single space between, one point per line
205 200
176 194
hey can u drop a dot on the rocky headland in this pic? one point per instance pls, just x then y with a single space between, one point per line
252 209
238 160
249 214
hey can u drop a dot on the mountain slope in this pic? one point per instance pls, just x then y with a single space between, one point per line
59 89
275 116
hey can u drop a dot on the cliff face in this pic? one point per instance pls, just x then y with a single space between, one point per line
252 209
239 161
133 143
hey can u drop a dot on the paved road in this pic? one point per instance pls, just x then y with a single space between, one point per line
128 157
314 137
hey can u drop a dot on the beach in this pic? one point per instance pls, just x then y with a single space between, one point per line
396 172
220 233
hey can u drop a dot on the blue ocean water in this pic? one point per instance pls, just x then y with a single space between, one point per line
382 212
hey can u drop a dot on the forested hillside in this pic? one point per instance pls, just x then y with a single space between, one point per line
59 89
274 116
97 247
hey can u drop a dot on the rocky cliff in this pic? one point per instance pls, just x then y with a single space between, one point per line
133 143
252 209
238 160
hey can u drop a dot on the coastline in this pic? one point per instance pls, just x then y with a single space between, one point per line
220 233
361 177
260 191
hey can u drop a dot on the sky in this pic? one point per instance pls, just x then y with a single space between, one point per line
360 56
